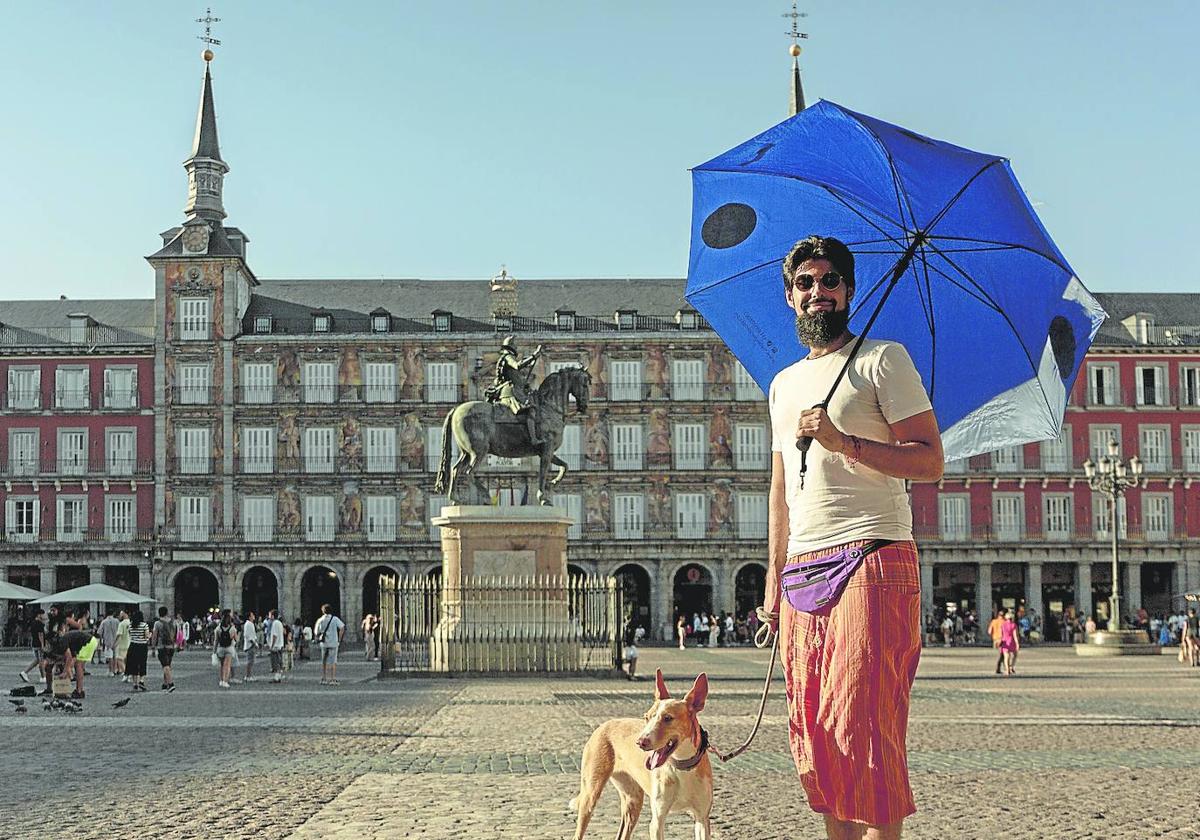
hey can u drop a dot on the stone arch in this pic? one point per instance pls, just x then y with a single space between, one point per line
319 584
692 589
260 589
636 584
368 585
749 586
197 590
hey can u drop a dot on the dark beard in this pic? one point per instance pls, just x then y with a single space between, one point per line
821 328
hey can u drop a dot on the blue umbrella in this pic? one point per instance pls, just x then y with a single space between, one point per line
950 260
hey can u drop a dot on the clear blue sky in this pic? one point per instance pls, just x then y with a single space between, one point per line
407 139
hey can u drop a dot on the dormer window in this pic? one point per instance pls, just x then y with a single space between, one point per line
79 327
262 324
565 320
381 323
626 319
687 319
503 323
441 321
322 323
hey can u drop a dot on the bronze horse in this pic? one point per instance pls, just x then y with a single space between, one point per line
474 425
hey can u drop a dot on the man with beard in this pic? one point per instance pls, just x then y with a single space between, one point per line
855 653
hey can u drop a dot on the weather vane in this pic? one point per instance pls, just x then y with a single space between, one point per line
795 34
208 20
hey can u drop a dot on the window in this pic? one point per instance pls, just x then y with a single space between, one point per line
24 388
744 386
23 452
433 448
1191 449
441 321
571 450
565 321
71 387
1008 459
318 382
1189 385
751 446
72 518
442 381
1099 436
258 449
954 516
381 323
258 382
752 516
194 446
436 503
318 450
687 320
120 451
1102 517
1154 448
193 384
687 379
1156 515
1058 514
381 449
626 380
381 518
626 319
1008 516
380 379
262 324
1102 385
21 519
193 319
955 467
1056 454
689 516
627 447
194 513
318 518
572 503
258 518
1151 385
628 516
119 518
120 387
689 446
72 452
322 323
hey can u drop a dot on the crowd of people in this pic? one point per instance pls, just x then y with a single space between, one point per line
711 630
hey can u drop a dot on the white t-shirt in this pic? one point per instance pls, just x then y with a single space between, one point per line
840 504
275 635
249 635
325 631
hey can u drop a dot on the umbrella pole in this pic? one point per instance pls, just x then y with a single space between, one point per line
901 266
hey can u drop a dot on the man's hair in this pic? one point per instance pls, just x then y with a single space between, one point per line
162 612
326 608
819 248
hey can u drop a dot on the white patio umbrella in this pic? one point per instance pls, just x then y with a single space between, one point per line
95 593
12 592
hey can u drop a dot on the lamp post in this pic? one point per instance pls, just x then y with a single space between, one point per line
1113 477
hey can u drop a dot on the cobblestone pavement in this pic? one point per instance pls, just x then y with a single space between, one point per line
1070 747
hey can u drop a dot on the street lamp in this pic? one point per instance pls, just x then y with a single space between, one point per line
1113 477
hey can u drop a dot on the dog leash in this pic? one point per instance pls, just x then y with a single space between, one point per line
764 634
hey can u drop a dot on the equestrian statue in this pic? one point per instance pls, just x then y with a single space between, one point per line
513 421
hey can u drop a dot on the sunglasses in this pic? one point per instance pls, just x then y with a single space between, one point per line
804 282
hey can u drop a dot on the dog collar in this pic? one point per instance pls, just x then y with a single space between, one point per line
689 763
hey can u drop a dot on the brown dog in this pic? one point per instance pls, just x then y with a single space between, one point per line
664 755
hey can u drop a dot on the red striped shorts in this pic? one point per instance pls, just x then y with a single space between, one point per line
849 670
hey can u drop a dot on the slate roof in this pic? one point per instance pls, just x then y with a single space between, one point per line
45 323
205 144
218 243
1167 309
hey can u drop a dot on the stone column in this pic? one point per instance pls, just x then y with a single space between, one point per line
723 589
95 574
1131 592
661 590
289 600
48 580
984 604
352 603
1083 588
1033 589
146 585
926 589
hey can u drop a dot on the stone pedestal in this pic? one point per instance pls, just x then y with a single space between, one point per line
504 591
1118 643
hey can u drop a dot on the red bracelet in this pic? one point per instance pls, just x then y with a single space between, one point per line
853 459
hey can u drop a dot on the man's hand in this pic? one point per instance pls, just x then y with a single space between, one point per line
815 423
538 351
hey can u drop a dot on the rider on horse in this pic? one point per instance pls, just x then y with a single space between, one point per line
511 385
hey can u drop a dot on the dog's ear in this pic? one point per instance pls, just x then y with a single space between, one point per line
660 687
699 693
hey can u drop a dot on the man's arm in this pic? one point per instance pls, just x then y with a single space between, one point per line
777 533
916 453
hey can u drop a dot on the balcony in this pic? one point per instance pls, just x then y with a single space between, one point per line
1078 535
22 400
72 399
50 468
122 399
339 465
90 536
263 535
191 395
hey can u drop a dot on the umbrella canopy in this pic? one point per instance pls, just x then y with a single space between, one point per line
95 593
12 592
950 260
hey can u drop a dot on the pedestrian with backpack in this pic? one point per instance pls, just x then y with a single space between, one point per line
163 639
328 633
224 640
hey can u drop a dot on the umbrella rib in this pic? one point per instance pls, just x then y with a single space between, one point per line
1047 257
941 214
932 323
902 198
971 292
731 277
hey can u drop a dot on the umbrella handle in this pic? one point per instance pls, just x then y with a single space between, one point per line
803 443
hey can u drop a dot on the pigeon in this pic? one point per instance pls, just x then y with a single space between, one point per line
57 704
20 710
17 702
120 704
47 705
72 709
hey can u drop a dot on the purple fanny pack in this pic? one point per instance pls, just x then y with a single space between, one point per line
818 581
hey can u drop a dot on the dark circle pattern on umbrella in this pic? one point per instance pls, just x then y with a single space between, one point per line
729 225
1062 344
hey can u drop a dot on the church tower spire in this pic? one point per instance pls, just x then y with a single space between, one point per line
205 168
797 100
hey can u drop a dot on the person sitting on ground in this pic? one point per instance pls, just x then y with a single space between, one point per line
65 654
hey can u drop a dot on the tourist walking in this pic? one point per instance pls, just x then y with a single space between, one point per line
847 513
370 625
328 633
994 628
273 637
225 638
37 643
1191 638
681 628
249 645
164 637
139 649
121 649
1010 643
107 632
